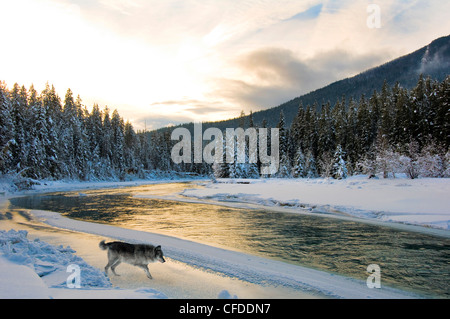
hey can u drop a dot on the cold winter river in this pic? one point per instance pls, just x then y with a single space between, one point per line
408 260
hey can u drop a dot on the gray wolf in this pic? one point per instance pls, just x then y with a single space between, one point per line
139 255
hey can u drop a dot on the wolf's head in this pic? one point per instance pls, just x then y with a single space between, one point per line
159 254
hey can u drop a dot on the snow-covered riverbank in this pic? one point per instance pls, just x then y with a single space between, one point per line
424 202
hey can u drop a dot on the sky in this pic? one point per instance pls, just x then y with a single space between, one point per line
165 62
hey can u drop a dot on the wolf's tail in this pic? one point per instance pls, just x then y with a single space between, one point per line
103 245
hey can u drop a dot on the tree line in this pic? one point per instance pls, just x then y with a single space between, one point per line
393 131
42 137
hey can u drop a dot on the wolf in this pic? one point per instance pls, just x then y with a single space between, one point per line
139 255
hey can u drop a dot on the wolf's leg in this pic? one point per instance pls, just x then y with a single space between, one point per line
145 267
112 263
113 266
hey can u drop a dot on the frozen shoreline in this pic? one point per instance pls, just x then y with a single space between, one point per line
420 202
255 270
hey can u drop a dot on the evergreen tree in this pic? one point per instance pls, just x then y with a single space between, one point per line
442 119
299 167
94 133
118 141
222 170
401 128
285 163
310 165
51 104
298 128
132 157
326 131
363 127
67 137
253 168
38 134
144 150
387 101
351 132
7 132
18 113
375 118
418 105
81 140
240 169
310 135
106 136
339 165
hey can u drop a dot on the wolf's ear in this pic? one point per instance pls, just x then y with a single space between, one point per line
158 247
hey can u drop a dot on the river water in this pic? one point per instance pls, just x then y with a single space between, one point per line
408 260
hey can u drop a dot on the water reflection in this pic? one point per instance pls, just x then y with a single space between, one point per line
409 260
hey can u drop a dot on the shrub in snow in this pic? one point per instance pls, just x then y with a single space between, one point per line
409 166
431 165
388 161
447 164
367 166
326 165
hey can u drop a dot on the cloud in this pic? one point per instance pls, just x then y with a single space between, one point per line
271 76
185 110
311 13
189 60
124 7
191 106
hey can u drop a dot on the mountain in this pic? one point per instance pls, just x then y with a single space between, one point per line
432 60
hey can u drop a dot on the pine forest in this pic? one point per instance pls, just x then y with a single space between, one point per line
393 131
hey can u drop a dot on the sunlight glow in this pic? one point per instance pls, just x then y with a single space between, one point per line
189 60
92 61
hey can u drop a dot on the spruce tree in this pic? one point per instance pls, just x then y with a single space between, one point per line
51 104
7 132
118 142
299 167
18 113
285 163
339 165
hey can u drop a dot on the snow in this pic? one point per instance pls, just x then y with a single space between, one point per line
36 269
422 202
19 281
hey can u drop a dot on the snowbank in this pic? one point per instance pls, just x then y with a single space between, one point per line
424 202
35 269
